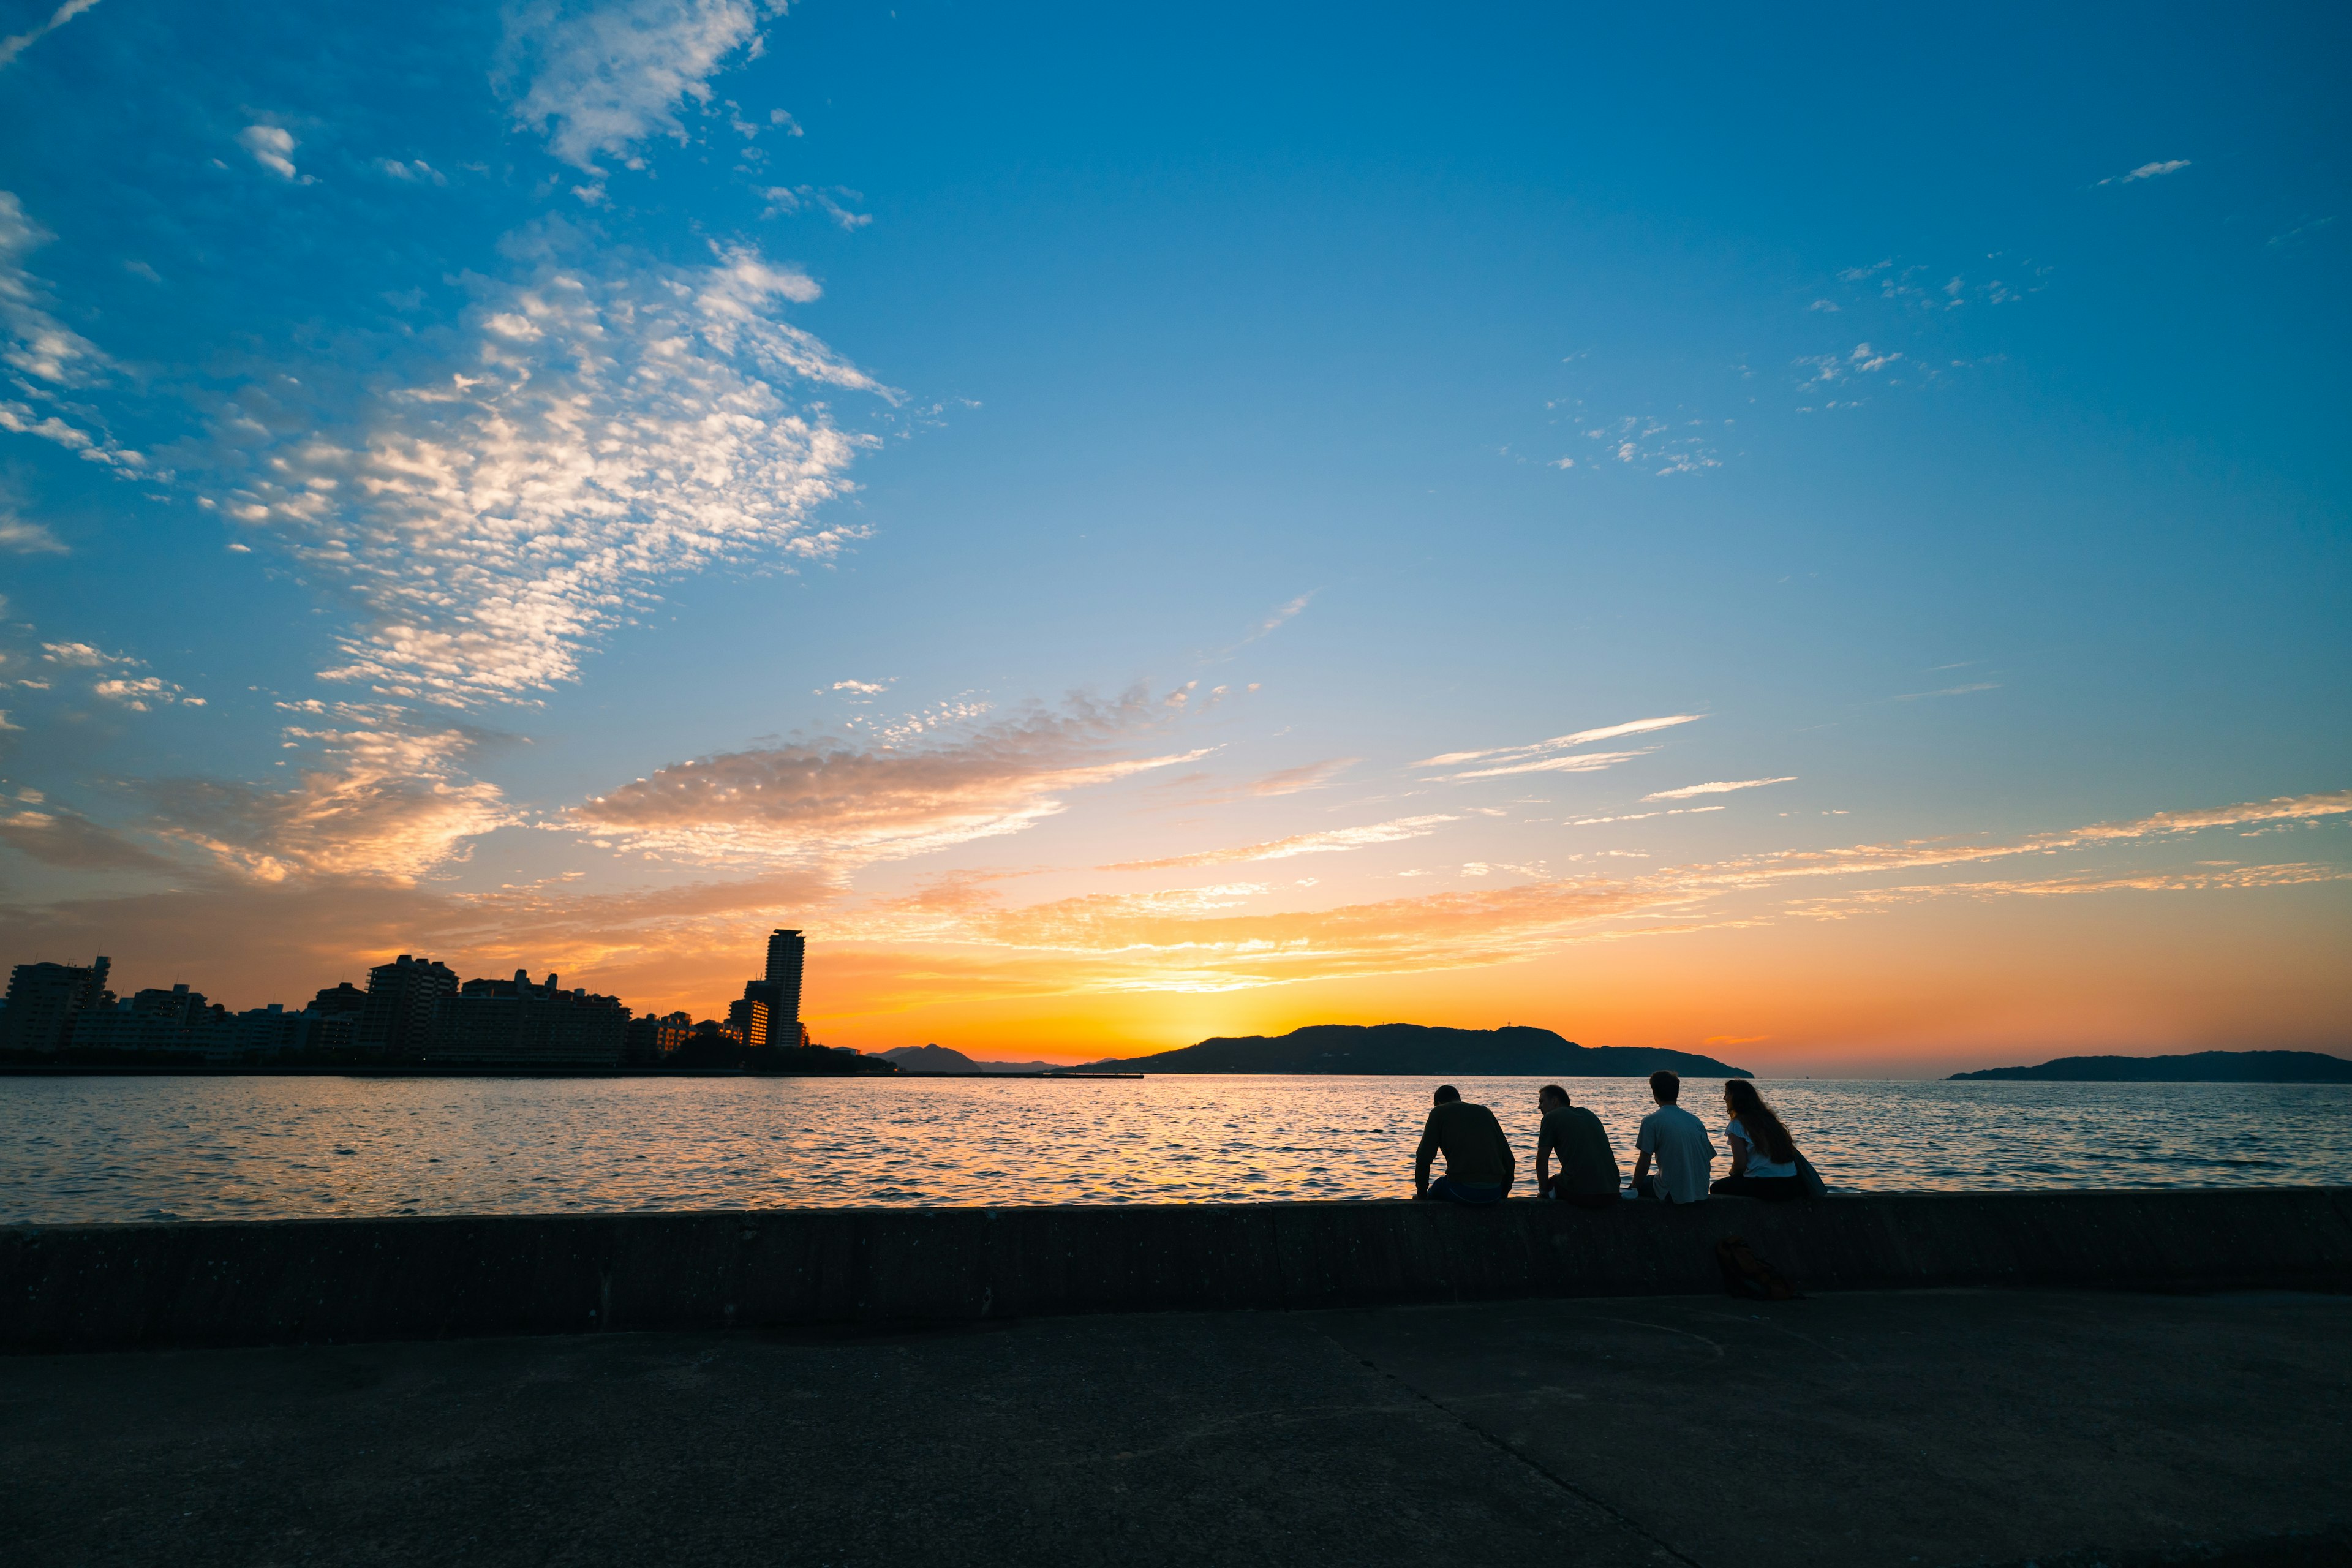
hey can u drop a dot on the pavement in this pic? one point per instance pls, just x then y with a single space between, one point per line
1934 1427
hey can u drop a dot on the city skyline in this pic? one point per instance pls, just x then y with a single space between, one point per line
1123 539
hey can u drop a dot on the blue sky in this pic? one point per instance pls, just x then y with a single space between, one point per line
425 424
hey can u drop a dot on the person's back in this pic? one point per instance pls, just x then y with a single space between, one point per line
1587 1165
1678 1141
1478 1161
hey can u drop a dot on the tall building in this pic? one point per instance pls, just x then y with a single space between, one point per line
517 1021
43 999
779 993
405 1002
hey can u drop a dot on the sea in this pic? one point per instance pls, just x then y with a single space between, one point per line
96 1150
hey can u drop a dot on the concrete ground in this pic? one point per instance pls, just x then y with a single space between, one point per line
1929 1427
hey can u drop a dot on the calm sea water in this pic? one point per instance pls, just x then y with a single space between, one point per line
130 1149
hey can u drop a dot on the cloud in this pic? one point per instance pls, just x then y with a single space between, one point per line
82 656
599 430
271 146
10 47
139 693
2293 874
1509 759
1951 692
1862 361
414 172
1306 776
387 802
785 199
1324 843
1280 616
597 80
1558 742
836 803
37 344
1688 791
19 537
1206 940
864 688
1918 854
57 836
1636 439
2147 171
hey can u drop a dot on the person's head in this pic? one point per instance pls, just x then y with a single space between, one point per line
1665 1088
1763 1128
1446 1094
1551 1097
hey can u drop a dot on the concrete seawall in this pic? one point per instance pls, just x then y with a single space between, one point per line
290 1282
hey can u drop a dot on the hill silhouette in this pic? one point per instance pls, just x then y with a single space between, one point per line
2196 1067
944 1058
1423 1050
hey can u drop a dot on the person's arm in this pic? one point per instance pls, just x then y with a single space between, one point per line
1739 1153
1510 1161
1640 1167
1543 1160
1424 1156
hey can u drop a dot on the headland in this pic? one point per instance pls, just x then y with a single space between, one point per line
1416 1049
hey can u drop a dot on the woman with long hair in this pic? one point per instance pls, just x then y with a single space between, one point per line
1763 1155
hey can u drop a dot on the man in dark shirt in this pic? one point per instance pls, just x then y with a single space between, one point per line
1587 1165
1478 1156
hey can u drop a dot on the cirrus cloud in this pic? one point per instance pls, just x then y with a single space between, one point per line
840 803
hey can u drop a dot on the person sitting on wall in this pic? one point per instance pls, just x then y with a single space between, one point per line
1678 1141
1587 1165
1478 1163
1763 1155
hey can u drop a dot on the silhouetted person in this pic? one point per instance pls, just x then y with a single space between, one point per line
1478 1161
1763 1155
1587 1165
1678 1141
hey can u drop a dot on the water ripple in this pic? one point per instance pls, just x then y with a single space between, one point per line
80 1150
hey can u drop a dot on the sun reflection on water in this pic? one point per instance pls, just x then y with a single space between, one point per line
81 1150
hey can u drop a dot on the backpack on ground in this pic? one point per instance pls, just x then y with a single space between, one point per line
1748 1276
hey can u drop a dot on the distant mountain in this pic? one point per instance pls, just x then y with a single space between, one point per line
939 1058
1424 1051
2198 1067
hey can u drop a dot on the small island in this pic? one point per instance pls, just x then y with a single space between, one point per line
2196 1067
1519 1050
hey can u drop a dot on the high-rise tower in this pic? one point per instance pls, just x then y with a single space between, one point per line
787 951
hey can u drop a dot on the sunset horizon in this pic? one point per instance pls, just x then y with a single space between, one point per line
1125 539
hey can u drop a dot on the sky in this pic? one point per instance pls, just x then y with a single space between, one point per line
1822 540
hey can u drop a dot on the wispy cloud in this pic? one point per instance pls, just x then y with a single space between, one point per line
1952 690
2147 171
1558 742
1725 787
830 200
604 428
1168 941
1554 756
57 836
19 537
1325 843
836 802
386 801
38 344
598 80
10 47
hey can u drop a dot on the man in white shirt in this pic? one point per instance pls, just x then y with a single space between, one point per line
1678 1142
